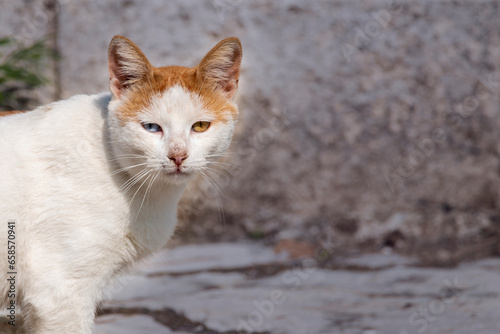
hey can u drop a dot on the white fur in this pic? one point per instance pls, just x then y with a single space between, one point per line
76 228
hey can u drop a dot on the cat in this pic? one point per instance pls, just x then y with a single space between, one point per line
90 185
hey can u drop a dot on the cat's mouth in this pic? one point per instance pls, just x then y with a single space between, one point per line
174 170
179 171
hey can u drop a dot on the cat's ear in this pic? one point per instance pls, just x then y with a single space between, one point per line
127 65
220 68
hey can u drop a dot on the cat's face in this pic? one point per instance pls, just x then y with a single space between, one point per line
167 124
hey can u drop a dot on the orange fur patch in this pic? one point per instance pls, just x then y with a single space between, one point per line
12 112
139 95
135 81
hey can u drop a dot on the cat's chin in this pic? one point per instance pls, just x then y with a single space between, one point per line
177 177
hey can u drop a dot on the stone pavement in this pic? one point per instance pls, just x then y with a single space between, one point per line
233 288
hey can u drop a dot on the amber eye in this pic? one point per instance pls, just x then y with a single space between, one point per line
200 126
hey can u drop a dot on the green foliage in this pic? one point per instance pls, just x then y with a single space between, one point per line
21 71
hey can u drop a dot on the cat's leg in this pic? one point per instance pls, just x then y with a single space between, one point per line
60 311
40 320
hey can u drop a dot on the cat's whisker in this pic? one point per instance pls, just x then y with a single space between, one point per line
149 161
120 158
217 176
236 155
142 184
217 164
128 155
152 185
215 182
123 158
186 182
146 192
220 155
133 180
208 180
224 165
222 169
218 172
216 195
136 181
128 167
208 162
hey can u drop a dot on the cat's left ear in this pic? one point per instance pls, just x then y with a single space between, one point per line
127 65
220 68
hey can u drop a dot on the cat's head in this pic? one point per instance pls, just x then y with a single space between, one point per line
171 122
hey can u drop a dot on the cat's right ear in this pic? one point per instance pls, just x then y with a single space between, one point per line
127 65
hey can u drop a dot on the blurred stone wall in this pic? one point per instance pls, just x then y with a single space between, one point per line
370 121
29 21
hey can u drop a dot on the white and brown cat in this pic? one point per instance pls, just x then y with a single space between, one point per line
92 183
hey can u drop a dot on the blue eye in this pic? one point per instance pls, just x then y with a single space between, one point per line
151 127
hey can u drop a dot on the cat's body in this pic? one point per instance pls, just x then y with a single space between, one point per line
92 183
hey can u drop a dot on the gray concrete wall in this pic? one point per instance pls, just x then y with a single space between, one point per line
376 123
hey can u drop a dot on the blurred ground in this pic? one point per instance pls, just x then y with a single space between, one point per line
227 288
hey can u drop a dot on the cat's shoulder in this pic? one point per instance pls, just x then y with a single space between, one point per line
77 104
80 103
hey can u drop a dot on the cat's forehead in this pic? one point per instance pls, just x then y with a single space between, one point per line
175 87
175 104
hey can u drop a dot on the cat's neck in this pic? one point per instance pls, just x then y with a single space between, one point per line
153 215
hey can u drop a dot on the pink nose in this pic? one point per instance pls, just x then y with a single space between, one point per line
178 159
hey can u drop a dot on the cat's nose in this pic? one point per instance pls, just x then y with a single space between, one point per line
178 159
